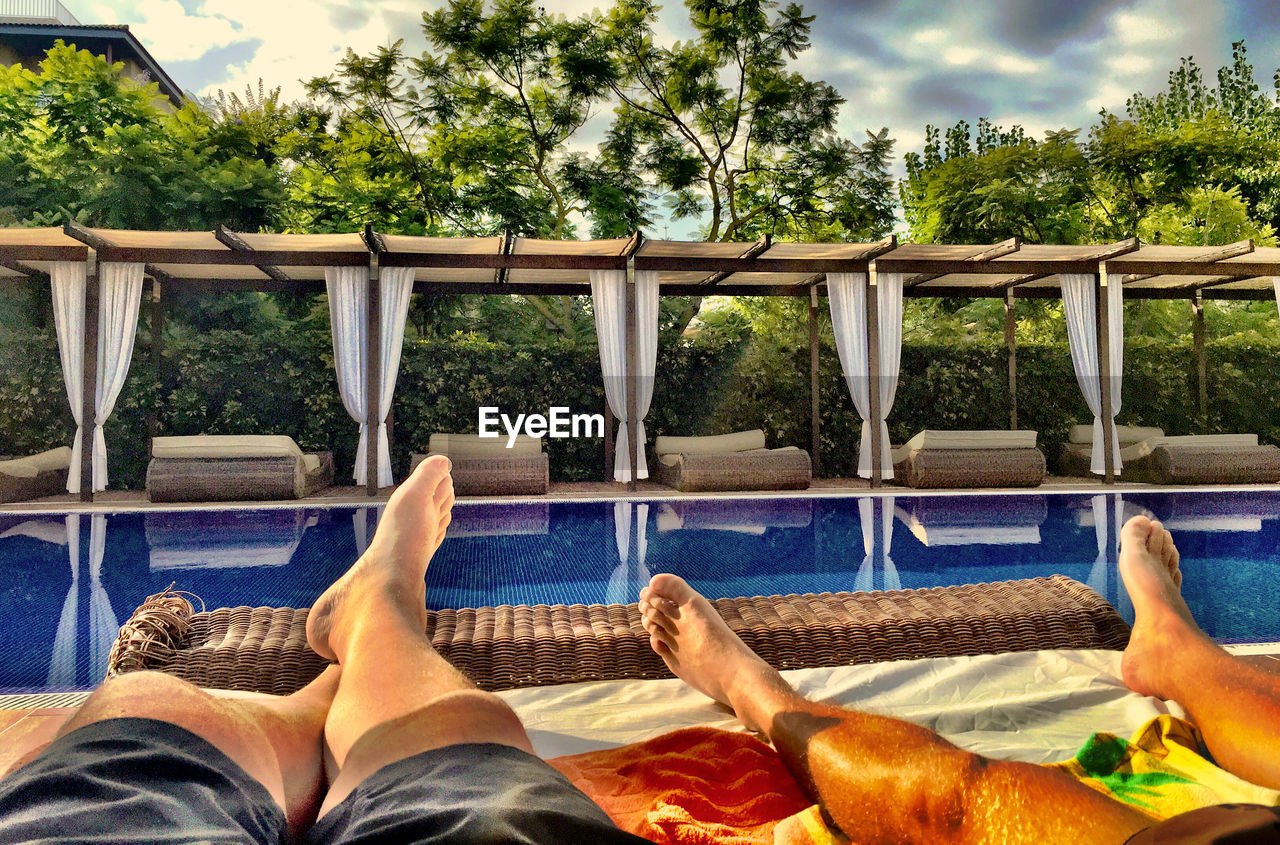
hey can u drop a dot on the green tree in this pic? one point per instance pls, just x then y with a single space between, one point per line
80 140
1011 185
728 134
488 125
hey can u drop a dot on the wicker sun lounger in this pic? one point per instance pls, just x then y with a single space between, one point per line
24 479
196 471
518 475
486 467
764 469
1197 459
969 459
723 462
236 479
264 649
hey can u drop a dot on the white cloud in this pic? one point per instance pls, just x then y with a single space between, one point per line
301 39
1130 63
1110 96
1015 65
930 36
960 55
169 32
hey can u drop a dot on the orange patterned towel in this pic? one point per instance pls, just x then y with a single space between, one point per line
694 786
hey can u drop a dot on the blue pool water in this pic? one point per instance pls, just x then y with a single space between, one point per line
68 580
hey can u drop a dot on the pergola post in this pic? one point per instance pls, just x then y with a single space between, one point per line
373 373
815 442
89 390
1011 347
1103 323
873 372
632 368
1198 346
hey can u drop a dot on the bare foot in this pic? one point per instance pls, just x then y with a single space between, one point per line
696 644
1163 624
391 573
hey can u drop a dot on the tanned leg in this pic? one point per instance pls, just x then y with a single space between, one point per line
277 740
1234 701
879 779
397 696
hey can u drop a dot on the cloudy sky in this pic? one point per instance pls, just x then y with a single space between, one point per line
1044 64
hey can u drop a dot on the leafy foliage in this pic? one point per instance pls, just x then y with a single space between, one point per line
81 141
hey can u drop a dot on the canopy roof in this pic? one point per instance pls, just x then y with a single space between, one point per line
225 260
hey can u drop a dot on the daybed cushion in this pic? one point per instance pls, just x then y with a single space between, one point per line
30 467
226 446
475 446
39 475
1209 441
1127 434
934 439
715 444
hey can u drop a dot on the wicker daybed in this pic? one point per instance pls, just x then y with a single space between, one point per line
45 474
969 459
737 461
1147 456
264 649
220 468
486 466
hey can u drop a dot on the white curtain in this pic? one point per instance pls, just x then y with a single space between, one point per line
118 301
877 537
1082 336
348 317
62 663
847 297
103 625
622 587
609 302
68 278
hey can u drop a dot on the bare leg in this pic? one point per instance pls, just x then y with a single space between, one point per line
276 739
397 696
877 778
1234 701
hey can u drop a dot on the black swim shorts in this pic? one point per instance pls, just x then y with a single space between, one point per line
144 780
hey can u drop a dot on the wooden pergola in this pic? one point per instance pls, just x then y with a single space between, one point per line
223 260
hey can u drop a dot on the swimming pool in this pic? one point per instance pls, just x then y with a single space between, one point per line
68 580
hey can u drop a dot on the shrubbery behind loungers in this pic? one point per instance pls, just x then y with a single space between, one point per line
233 383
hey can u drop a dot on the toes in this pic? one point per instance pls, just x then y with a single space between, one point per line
673 588
1157 539
444 497
661 622
1136 532
660 646
652 617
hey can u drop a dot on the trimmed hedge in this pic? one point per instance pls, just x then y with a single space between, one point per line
966 387
284 383
230 382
